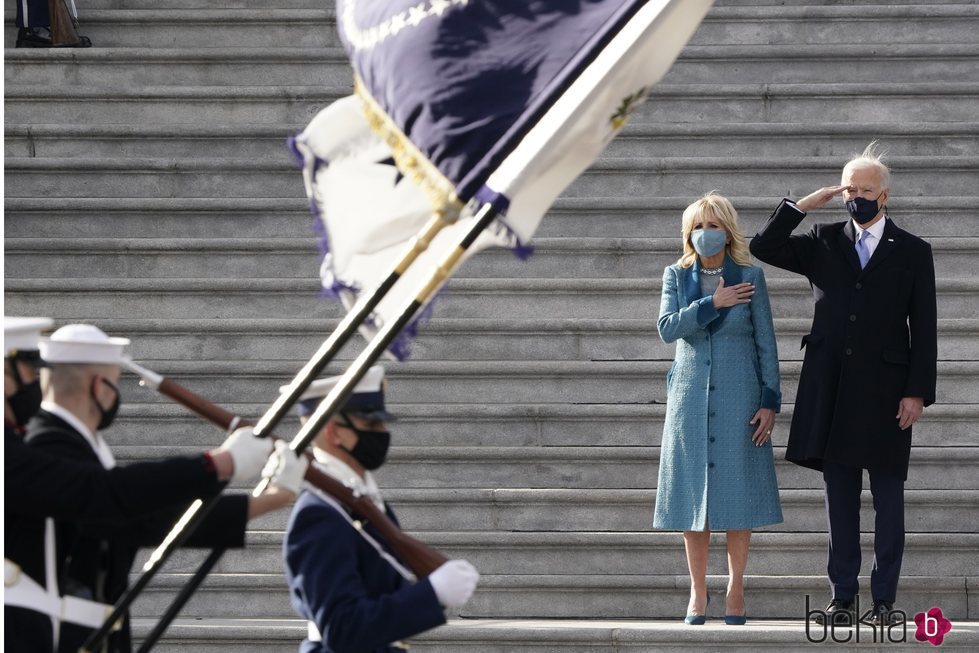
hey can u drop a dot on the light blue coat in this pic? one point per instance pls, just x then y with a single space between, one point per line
711 475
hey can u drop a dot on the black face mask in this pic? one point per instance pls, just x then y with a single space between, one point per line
371 449
107 414
861 210
27 400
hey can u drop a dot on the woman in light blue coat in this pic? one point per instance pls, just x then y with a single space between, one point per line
716 467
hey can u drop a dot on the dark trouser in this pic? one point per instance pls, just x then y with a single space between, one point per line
33 13
843 486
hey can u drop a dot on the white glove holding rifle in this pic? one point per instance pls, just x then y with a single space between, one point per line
248 453
284 469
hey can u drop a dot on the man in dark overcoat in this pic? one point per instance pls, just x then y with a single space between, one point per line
869 369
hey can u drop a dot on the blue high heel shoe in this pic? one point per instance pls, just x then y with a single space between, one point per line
698 619
736 620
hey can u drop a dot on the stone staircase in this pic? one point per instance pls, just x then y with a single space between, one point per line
149 190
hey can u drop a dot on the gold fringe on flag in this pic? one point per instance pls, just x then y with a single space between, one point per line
407 157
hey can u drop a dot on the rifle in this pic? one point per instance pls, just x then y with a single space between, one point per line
417 556
420 558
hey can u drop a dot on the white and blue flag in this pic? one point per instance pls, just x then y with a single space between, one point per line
465 101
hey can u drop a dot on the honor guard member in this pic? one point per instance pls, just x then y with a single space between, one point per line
343 577
72 569
39 485
21 385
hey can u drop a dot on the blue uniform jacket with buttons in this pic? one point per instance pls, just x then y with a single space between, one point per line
873 340
359 602
711 475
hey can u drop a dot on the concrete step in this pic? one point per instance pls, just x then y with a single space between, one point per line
718 64
144 419
631 176
580 596
166 27
549 509
792 102
632 596
168 105
803 140
603 217
591 467
951 555
813 23
139 141
557 636
123 67
761 25
517 298
670 103
636 140
697 64
561 258
504 338
494 382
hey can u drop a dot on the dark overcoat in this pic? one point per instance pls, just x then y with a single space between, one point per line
94 556
873 340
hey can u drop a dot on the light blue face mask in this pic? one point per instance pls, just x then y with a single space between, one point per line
708 242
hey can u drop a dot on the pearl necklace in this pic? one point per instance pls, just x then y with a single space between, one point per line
711 272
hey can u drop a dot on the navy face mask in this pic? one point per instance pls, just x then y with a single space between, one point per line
863 211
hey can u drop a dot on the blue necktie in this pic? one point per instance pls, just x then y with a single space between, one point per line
862 251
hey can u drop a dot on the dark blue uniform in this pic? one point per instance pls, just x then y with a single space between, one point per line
359 602
94 554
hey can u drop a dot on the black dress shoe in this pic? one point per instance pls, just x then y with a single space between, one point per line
838 613
883 613
33 37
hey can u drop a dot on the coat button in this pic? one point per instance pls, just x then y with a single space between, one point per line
712 438
853 318
711 465
859 285
707 363
711 388
849 352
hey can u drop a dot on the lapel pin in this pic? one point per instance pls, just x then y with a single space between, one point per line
890 240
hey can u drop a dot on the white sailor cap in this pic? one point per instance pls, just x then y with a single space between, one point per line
22 334
82 343
367 399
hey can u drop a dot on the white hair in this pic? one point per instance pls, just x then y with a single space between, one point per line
872 157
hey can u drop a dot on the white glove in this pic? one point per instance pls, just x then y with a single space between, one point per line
454 583
248 453
285 469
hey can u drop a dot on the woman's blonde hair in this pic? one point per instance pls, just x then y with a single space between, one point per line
718 207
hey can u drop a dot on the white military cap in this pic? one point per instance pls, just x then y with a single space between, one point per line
366 400
82 343
23 333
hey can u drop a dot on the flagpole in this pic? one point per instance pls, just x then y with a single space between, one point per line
198 510
333 402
